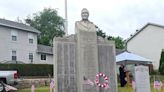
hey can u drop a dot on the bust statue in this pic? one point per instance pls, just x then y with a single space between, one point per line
84 24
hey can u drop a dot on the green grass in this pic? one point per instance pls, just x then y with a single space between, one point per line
130 89
120 89
39 89
125 89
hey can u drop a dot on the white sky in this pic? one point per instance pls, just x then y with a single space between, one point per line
115 17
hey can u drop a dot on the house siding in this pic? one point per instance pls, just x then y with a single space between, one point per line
148 43
22 45
49 59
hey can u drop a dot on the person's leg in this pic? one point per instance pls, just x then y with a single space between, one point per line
121 82
124 82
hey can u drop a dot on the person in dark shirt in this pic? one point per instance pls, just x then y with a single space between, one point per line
122 75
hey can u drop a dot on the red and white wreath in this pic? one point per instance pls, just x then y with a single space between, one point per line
106 80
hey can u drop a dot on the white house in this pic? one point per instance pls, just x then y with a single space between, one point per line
18 43
148 42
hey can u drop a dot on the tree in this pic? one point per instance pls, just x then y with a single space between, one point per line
101 33
49 23
119 42
161 67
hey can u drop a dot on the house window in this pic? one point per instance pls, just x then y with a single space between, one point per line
30 56
43 56
14 57
14 38
14 35
31 41
30 38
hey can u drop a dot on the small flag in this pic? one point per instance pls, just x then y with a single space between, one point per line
158 84
32 88
133 84
87 81
52 85
107 86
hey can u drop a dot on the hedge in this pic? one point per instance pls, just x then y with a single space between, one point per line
161 65
29 69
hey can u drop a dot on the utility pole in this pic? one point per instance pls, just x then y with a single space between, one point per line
66 19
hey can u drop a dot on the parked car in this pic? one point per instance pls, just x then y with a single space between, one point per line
2 87
9 76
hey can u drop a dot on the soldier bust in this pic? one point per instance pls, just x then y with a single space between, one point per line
84 24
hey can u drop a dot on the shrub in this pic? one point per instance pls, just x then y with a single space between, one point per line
161 65
29 69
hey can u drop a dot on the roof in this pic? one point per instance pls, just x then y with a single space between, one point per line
137 32
130 57
44 49
16 25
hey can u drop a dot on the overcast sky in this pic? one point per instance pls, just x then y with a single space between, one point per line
115 17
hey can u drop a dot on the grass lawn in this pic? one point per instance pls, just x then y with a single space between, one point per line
40 89
46 89
129 89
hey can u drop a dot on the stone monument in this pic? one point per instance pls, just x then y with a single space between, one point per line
83 55
142 79
87 51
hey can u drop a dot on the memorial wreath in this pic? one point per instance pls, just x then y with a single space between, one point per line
106 80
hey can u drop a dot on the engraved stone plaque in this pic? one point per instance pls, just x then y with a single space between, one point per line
142 79
87 58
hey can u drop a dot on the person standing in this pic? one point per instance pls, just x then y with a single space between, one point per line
122 75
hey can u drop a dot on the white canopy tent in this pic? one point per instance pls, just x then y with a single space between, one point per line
130 58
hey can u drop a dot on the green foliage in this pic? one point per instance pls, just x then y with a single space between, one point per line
29 69
49 23
101 33
119 42
154 72
161 67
